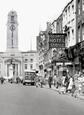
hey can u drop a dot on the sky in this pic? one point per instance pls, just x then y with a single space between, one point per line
32 17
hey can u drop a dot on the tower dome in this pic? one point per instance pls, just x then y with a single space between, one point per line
12 13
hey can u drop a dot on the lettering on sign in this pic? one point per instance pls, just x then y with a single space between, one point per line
57 40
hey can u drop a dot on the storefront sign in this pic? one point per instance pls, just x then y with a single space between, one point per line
56 40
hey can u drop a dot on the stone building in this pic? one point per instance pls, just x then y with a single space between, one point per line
14 62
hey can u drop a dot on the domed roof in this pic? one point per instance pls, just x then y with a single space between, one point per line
12 13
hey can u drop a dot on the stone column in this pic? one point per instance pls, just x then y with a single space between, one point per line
19 69
6 69
3 68
21 64
22 67
11 71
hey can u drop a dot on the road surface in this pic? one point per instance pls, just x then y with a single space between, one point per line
28 100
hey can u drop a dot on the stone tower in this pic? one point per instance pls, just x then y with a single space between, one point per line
12 30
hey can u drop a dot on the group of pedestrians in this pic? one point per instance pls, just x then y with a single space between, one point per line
70 84
38 81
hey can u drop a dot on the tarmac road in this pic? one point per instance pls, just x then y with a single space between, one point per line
28 100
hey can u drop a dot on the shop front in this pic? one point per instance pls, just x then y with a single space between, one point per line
78 56
62 65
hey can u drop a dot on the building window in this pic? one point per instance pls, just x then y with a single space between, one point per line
68 35
69 10
66 14
82 5
72 9
73 33
82 31
57 26
79 34
25 66
26 60
78 6
31 66
31 60
32 55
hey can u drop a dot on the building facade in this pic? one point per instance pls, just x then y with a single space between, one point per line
13 62
69 23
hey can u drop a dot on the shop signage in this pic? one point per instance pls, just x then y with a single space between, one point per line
57 40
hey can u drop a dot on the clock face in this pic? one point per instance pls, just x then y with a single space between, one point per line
12 27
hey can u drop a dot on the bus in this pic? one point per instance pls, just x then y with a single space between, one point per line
29 77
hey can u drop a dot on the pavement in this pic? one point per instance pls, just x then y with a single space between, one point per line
80 96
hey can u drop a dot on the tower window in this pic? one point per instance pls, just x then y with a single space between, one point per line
12 18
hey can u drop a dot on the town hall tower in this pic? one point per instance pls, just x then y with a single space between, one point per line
12 30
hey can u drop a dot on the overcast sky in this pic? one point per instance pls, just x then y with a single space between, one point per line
32 16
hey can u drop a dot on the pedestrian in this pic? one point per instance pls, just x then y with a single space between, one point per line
73 91
63 80
2 80
41 81
36 81
50 81
62 90
54 79
66 82
18 80
70 84
79 83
